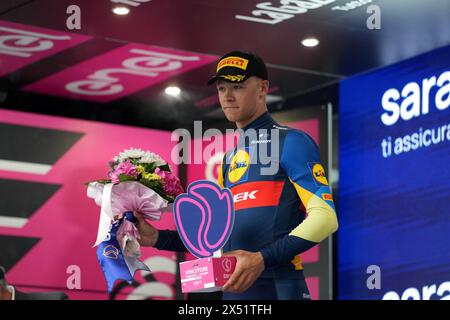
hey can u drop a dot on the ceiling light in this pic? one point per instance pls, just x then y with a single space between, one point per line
310 42
121 10
173 91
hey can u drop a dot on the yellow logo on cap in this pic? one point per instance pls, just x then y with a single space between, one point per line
239 165
235 78
319 174
236 62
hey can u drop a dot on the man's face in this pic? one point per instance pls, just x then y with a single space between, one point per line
240 101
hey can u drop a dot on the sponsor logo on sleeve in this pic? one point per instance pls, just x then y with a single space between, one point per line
327 197
318 174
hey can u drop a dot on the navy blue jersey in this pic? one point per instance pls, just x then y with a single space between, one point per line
281 213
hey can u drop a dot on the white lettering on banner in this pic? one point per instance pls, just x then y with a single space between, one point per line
102 82
93 87
351 5
442 292
17 42
245 195
287 10
421 138
416 98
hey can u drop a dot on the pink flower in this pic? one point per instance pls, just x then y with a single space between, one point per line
171 184
126 168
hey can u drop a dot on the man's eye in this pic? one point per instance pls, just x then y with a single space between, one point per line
237 86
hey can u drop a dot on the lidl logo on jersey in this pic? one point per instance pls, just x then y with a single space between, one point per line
238 170
318 174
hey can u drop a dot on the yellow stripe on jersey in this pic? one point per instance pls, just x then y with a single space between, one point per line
321 220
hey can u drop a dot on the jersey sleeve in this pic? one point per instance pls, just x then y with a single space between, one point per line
300 159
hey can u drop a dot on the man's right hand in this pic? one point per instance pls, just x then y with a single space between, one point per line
148 233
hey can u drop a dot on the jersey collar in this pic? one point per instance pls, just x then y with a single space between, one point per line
263 121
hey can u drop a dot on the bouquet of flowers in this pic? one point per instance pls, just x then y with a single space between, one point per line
140 182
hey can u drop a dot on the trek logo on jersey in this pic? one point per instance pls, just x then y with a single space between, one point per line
257 194
236 62
239 166
245 195
318 174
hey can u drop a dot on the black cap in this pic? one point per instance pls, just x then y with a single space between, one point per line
238 66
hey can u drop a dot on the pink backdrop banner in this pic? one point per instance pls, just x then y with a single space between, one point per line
67 222
21 45
209 168
119 73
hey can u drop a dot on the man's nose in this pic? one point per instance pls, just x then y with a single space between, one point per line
228 95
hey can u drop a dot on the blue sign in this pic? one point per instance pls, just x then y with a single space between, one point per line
394 188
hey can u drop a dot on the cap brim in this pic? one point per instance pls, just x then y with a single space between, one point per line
213 79
224 78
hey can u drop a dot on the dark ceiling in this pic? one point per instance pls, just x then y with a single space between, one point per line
299 75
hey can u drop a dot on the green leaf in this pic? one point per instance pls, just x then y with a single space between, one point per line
99 181
123 177
149 167
104 181
153 184
165 167
135 161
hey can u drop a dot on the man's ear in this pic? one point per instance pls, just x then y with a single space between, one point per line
264 86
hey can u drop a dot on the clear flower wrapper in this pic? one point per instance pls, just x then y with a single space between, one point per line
138 182
128 196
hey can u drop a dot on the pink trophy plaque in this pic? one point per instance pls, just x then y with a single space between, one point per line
204 217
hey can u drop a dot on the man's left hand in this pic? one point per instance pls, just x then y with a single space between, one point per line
249 266
5 294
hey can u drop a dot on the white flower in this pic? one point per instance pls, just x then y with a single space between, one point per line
151 157
142 156
130 153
